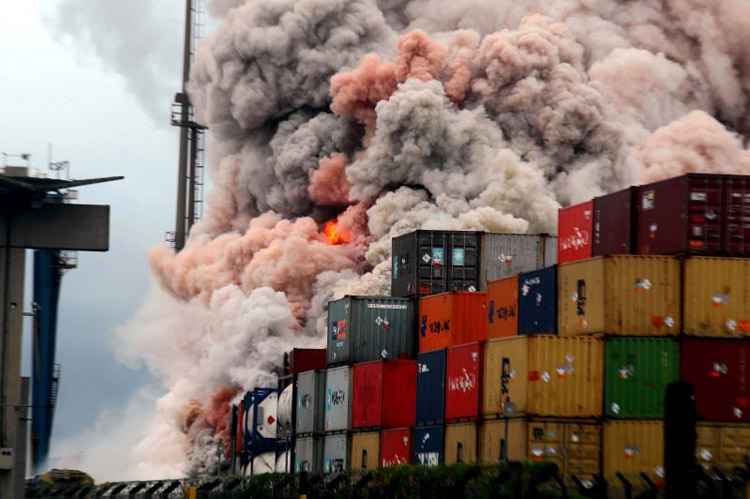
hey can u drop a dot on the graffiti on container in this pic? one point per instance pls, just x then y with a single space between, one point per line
335 397
577 240
464 382
428 458
338 330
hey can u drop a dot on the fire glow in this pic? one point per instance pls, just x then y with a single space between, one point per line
335 234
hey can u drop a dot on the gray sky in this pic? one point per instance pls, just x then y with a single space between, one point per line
70 91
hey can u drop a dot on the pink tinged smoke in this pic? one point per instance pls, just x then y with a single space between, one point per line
284 255
328 184
696 143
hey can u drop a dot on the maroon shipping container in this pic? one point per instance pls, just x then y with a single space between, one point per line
395 447
575 225
718 369
306 359
384 394
615 226
696 213
463 393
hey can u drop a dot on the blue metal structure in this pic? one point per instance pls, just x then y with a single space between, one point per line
45 373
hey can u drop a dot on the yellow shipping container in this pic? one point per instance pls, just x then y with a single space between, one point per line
717 296
461 443
726 445
575 446
623 294
544 376
365 451
634 447
492 435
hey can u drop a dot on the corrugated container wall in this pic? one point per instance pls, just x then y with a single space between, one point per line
573 445
384 394
428 262
620 295
718 370
492 440
263 435
395 447
308 455
365 451
697 213
284 412
615 226
338 399
638 371
725 445
632 448
717 296
428 445
575 226
461 443
537 302
502 307
544 376
505 255
336 452
451 319
430 387
311 401
463 384
306 359
363 328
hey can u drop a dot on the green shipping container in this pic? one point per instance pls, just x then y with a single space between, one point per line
637 373
365 328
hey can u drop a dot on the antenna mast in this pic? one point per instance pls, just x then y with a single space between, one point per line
191 165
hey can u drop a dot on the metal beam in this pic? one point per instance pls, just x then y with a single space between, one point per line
57 226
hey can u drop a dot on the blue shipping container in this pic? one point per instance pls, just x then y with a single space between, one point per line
428 445
430 387
260 421
537 301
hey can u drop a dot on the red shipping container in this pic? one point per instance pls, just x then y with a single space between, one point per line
615 223
384 394
306 359
719 371
575 226
463 393
395 447
449 319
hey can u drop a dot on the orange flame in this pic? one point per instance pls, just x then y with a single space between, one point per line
335 234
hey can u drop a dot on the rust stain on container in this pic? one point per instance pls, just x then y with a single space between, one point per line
717 296
726 445
634 447
492 438
365 451
461 443
544 376
624 294
573 445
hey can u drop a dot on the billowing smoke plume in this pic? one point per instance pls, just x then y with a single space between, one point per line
339 124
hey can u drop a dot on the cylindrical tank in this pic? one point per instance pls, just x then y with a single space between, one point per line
283 462
264 463
284 412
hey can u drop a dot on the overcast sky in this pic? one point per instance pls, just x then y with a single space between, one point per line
70 91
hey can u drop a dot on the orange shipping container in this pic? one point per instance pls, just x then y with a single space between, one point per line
502 304
449 319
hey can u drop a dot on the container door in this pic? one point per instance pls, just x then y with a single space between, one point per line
537 302
463 388
338 399
430 387
614 223
436 322
339 332
575 226
432 261
737 215
404 265
306 400
395 447
385 328
336 453
705 214
502 308
367 400
464 249
428 445
365 451
496 444
398 394
461 443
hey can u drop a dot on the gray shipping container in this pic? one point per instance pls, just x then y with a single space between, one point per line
308 455
311 397
336 450
338 409
366 328
505 255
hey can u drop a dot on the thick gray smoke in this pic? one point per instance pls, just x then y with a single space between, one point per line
338 124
